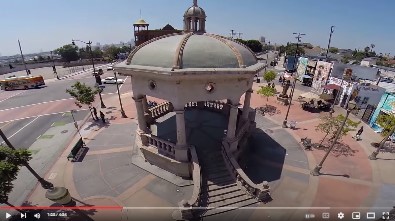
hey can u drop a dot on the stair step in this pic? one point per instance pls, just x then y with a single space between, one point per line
222 181
231 202
217 169
212 160
213 188
221 194
219 210
217 175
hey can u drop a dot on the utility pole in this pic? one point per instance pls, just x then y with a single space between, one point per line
232 33
23 58
298 37
329 43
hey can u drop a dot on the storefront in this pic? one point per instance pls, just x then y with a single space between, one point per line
385 106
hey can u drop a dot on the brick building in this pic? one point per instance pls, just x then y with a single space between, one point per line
143 34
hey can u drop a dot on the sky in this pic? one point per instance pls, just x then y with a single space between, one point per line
44 25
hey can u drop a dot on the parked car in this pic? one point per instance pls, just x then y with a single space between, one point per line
111 80
110 68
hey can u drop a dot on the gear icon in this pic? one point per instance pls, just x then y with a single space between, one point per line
340 215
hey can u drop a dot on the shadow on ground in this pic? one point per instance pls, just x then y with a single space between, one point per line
264 159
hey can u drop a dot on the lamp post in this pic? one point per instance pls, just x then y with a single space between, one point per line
75 122
57 194
351 106
374 154
23 58
329 43
89 44
298 37
119 96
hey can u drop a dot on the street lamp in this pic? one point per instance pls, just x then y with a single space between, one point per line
329 43
57 194
75 122
351 106
89 44
119 96
374 154
298 37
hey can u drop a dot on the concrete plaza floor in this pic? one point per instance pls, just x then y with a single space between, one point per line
106 175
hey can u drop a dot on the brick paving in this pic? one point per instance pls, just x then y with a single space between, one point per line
117 182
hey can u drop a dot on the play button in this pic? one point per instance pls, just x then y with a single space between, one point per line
7 215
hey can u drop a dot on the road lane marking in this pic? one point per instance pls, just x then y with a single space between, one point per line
12 96
9 121
123 83
28 105
4 125
22 128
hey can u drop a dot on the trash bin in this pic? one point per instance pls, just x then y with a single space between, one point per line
258 80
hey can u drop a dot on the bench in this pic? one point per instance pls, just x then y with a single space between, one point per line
77 150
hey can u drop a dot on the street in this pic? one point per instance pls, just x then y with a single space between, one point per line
27 114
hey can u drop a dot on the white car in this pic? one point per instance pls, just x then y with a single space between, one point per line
111 80
110 68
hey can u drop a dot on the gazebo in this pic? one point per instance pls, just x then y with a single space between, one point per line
192 70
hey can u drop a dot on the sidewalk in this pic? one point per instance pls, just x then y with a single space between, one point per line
107 177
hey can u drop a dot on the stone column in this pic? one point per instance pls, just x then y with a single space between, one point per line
145 104
140 113
181 152
230 135
247 103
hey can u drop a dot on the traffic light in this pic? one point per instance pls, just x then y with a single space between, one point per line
98 79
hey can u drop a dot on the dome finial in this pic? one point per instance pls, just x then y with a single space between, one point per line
194 2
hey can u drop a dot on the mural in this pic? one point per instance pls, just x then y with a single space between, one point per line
321 75
302 65
386 105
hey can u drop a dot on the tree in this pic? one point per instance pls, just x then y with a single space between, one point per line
372 46
267 91
269 76
366 49
112 52
290 49
97 53
68 52
83 94
254 45
387 122
333 50
10 162
330 125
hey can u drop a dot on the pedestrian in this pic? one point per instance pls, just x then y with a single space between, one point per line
95 113
359 133
273 86
102 117
280 79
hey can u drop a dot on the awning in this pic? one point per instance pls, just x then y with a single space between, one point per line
332 87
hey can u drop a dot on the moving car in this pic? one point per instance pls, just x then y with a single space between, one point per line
111 80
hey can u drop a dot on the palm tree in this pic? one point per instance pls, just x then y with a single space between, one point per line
371 47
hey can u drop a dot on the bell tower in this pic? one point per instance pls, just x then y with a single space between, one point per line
139 27
195 19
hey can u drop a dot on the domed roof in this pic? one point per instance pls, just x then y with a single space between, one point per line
191 50
141 22
195 11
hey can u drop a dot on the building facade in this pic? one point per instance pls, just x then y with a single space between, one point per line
143 34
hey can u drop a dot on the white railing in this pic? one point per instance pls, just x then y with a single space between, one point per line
187 208
161 110
164 147
259 191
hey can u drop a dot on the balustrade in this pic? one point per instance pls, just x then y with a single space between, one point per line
259 191
160 110
165 147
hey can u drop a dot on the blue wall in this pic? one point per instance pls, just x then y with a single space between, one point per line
386 104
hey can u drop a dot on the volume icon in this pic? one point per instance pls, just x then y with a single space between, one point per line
37 215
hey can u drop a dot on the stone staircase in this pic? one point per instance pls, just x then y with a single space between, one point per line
219 191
